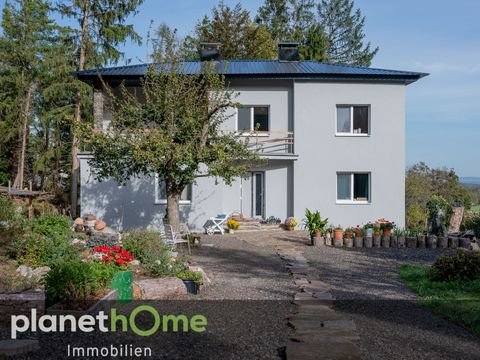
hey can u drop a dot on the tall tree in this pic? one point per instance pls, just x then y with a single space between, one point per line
240 37
27 33
174 132
274 15
315 44
102 28
343 26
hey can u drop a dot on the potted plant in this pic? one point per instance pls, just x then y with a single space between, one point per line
348 233
369 227
315 224
191 279
232 225
348 241
290 223
386 226
338 236
328 235
358 241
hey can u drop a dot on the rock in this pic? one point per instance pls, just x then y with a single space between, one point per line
474 247
79 228
168 288
100 225
89 217
40 272
25 271
79 221
135 262
76 241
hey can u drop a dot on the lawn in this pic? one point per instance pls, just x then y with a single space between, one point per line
458 301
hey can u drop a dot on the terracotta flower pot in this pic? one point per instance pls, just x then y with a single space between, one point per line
318 234
387 232
348 234
337 234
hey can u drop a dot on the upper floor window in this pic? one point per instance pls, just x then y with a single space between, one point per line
253 118
353 187
161 192
353 120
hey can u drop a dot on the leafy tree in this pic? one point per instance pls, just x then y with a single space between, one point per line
101 29
344 29
174 132
240 37
422 184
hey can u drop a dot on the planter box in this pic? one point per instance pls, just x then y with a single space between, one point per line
348 242
386 241
411 242
432 242
338 243
368 242
401 242
377 241
421 241
442 242
358 242
453 242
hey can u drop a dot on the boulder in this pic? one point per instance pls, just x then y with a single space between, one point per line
168 288
79 221
100 225
40 272
474 247
25 271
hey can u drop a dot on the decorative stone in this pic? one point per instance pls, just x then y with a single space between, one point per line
348 242
40 272
411 242
474 247
386 241
377 241
100 225
401 242
25 271
358 242
432 242
368 242
162 288
89 217
465 243
78 221
442 242
453 242
421 241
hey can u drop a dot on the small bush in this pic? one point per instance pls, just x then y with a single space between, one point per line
471 221
51 225
11 224
71 281
460 265
190 275
144 245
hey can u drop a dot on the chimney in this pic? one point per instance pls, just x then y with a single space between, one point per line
209 51
288 51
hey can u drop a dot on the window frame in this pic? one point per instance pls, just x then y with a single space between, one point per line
351 133
159 201
352 201
252 131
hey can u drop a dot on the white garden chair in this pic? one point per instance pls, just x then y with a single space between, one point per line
215 224
173 236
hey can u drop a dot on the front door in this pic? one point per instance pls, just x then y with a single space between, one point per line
258 194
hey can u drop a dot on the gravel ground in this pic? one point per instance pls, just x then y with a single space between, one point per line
391 323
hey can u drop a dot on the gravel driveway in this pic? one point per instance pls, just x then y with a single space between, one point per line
390 322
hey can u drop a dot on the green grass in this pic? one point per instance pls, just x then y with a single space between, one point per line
475 209
458 301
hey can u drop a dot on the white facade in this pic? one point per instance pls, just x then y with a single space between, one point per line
298 176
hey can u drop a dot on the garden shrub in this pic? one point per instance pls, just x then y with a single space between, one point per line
144 245
11 224
51 225
471 221
461 265
72 280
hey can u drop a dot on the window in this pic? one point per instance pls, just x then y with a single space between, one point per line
251 118
161 192
353 120
353 187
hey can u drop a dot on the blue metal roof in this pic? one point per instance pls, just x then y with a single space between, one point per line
267 69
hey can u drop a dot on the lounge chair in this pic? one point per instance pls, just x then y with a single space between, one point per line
215 224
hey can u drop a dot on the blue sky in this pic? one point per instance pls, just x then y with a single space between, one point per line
441 37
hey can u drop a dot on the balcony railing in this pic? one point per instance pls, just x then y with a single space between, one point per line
268 142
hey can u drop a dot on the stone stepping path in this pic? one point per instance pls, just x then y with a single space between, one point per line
320 332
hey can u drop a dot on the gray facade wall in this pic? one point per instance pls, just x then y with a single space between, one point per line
322 154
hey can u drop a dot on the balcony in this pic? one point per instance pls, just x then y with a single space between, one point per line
268 143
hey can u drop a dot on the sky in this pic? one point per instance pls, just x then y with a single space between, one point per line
440 37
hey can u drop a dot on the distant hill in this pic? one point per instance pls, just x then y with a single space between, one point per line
471 180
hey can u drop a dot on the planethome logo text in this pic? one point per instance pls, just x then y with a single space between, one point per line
107 322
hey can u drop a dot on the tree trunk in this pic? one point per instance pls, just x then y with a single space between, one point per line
81 66
23 146
173 209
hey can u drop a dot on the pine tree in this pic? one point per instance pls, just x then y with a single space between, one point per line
27 32
102 27
344 29
274 15
240 37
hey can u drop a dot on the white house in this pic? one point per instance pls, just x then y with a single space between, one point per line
334 137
